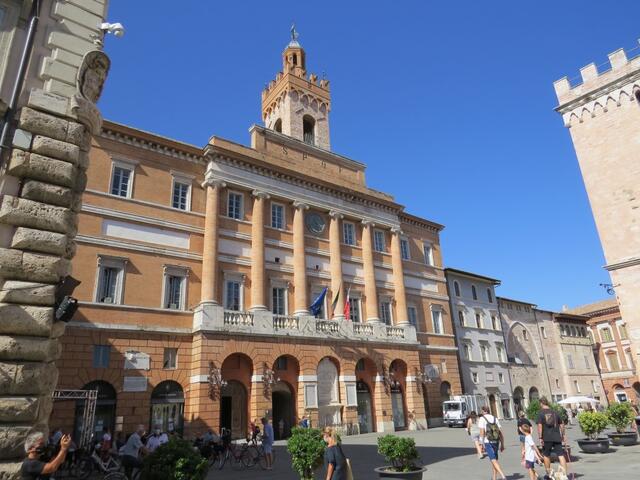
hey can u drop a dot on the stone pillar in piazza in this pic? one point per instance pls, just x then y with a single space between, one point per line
370 290
208 293
301 301
257 251
336 265
398 278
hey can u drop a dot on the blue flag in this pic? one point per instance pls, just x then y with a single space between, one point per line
316 306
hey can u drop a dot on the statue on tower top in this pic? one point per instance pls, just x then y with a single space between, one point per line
294 36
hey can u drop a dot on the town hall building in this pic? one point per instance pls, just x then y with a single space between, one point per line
225 283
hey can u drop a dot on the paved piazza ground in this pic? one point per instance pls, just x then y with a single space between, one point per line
449 454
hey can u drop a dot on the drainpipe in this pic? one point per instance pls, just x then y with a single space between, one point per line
9 115
544 356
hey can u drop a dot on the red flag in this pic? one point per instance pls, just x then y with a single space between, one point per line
347 306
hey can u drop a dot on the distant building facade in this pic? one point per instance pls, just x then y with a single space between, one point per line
612 350
525 350
603 116
481 347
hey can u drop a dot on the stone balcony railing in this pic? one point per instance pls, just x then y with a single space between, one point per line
214 318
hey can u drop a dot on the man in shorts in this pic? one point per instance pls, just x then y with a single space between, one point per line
491 436
267 442
551 435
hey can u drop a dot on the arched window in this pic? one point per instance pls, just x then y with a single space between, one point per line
295 59
637 95
489 296
309 127
456 288
278 125
474 293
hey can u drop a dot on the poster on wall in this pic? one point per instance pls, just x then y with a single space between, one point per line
134 384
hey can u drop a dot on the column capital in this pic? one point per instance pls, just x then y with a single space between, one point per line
213 182
396 231
260 194
335 214
367 222
300 205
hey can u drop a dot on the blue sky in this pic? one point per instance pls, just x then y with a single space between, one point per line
450 104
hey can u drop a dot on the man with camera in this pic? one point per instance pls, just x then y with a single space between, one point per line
33 468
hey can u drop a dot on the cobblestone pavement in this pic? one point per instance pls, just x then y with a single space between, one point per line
449 454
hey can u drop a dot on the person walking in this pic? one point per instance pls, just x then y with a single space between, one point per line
551 435
267 442
531 452
334 458
131 451
522 420
474 431
493 440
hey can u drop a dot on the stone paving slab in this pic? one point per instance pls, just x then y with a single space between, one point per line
449 454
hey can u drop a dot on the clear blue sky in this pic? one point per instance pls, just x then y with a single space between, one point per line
450 104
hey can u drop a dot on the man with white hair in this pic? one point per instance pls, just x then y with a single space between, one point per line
131 451
33 468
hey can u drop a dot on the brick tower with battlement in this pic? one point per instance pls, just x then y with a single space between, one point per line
295 104
603 117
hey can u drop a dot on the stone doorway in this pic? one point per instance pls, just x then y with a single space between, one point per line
365 409
283 408
233 409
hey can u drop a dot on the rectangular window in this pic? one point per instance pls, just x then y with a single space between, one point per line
576 386
570 361
622 330
404 248
121 181
479 322
170 360
277 216
467 352
474 377
109 277
232 297
629 357
378 241
614 363
500 353
436 317
412 314
174 293
494 323
461 319
279 298
594 386
544 332
348 233
605 334
101 354
549 362
586 361
181 193
385 312
354 309
234 205
428 253
484 353
501 377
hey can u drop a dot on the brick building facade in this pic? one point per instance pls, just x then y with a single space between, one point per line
199 268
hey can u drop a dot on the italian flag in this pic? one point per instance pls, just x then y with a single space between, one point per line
347 305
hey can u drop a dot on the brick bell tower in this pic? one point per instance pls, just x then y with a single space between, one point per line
295 104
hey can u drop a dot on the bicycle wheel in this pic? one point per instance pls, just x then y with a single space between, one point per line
115 476
222 459
82 467
251 456
236 462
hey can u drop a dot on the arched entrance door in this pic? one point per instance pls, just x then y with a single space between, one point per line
397 408
365 416
233 409
533 394
492 405
328 395
636 389
105 409
518 399
167 407
283 405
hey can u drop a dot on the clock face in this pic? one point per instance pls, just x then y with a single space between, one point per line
315 223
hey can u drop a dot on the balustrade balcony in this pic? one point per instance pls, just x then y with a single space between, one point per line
214 318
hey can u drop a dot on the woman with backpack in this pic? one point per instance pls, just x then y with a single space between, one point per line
474 431
493 440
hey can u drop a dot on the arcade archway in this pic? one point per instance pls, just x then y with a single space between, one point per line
283 408
105 415
167 407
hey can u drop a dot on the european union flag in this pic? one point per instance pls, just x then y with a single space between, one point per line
316 306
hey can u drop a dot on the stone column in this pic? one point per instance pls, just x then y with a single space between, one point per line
49 156
208 293
336 265
257 251
400 295
370 291
300 298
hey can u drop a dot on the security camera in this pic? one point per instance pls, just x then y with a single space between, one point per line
116 28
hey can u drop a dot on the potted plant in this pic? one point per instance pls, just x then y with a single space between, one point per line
175 460
307 451
402 454
621 415
592 424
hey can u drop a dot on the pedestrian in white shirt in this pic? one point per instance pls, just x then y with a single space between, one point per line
531 452
491 435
